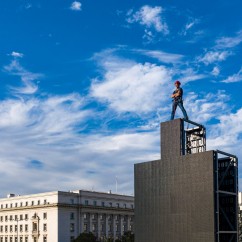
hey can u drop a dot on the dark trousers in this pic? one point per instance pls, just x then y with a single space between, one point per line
174 106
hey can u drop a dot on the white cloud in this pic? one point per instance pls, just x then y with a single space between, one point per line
161 55
17 54
131 87
188 75
27 78
150 18
229 42
214 56
189 25
76 6
237 77
215 71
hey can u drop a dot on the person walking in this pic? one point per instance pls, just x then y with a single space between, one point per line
177 101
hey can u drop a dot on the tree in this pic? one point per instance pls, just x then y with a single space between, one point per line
86 237
128 237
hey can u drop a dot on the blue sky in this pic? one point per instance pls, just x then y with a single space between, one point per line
85 84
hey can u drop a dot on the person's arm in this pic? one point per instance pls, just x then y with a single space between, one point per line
178 94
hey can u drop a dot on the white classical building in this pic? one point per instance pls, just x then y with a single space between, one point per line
62 216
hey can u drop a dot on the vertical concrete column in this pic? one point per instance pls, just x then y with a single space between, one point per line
99 225
121 224
114 226
106 224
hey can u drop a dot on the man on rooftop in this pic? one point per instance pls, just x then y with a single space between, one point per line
177 101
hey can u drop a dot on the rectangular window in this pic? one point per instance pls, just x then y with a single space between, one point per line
26 217
45 238
109 227
72 238
110 204
11 239
1 206
1 218
32 203
6 205
11 205
21 239
1 228
11 217
26 227
85 227
6 218
72 227
16 204
16 228
117 205
21 204
21 228
103 204
71 215
38 202
44 215
26 239
6 228
94 203
21 217
11 228
26 204
72 201
6 239
86 202
16 217
85 216
102 227
45 227
93 227
45 202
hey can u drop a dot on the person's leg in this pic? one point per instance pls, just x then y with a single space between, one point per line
174 106
180 104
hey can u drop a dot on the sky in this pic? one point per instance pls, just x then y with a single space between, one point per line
84 86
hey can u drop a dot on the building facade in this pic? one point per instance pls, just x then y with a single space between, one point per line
190 194
62 216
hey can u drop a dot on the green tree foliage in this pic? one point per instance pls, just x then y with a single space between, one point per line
128 237
86 237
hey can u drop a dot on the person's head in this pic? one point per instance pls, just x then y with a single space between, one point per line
177 83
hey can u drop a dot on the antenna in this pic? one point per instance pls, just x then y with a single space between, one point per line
116 178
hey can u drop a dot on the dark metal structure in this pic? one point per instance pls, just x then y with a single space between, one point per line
190 194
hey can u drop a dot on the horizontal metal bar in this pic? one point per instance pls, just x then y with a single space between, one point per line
224 153
229 193
227 232
191 122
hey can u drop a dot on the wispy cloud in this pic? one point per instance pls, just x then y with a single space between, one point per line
17 54
151 18
189 25
161 55
214 56
215 71
27 77
237 77
76 6
229 42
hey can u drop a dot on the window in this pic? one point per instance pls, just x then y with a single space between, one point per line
11 228
1 239
16 217
6 206
21 239
16 239
6 239
103 204
26 239
6 218
32 203
86 202
132 206
1 218
94 203
21 204
102 227
72 216
11 205
117 205
21 217
21 228
72 201
125 205
44 215
6 228
16 204
45 227
11 218
34 227
85 216
45 202
16 228
26 227
93 227
72 238
109 227
26 217
1 228
93 216
116 227
72 227
11 239
38 202
26 204
44 238
110 204
1 206
85 228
